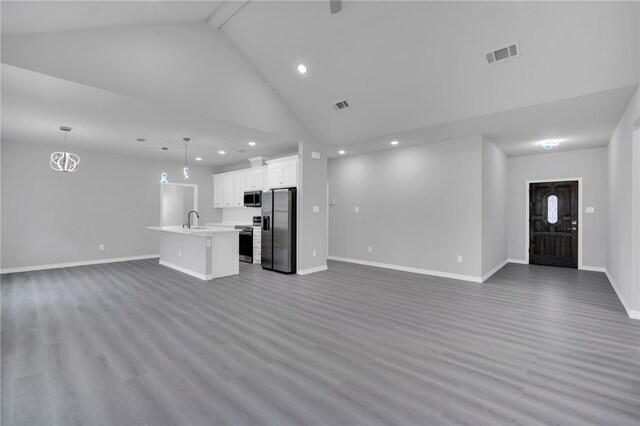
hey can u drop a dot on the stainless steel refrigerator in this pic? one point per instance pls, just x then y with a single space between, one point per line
279 230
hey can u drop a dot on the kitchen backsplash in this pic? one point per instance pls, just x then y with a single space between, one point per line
244 214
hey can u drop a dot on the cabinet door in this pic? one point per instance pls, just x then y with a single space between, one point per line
276 175
238 189
290 174
253 180
250 182
228 190
218 192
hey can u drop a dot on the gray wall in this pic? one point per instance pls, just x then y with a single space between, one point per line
621 256
494 206
312 227
419 206
591 165
51 217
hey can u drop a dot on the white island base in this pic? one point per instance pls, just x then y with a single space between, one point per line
202 253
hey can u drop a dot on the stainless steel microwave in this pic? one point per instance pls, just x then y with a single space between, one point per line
252 198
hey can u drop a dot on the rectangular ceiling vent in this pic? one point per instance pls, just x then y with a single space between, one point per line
508 52
341 105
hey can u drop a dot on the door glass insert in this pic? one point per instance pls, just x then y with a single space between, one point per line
552 209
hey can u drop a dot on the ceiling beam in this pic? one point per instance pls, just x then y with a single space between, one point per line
225 11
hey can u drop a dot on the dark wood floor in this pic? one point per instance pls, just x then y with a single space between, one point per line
137 343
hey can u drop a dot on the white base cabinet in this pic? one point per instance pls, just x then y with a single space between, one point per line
257 244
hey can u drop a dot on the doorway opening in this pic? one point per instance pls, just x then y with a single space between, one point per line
554 218
176 200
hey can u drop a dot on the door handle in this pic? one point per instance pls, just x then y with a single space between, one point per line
573 229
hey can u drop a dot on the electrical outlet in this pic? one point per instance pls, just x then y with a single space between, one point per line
316 209
370 248
314 253
101 247
356 209
459 259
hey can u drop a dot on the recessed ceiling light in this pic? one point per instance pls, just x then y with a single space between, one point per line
550 144
302 69
252 143
341 152
394 142
221 152
198 158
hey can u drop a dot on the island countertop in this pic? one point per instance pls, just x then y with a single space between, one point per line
195 231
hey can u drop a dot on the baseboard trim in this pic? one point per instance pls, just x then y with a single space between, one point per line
632 314
521 261
494 270
312 270
73 264
409 269
593 268
186 271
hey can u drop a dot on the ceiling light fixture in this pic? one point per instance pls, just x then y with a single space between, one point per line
252 143
341 152
221 152
64 161
186 166
394 142
198 158
141 140
302 69
550 144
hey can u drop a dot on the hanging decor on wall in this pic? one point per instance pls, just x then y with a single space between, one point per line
64 161
186 166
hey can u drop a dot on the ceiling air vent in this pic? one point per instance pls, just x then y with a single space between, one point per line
341 105
510 51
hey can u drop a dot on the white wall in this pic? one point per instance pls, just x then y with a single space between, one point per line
420 206
622 210
50 217
591 166
494 207
312 191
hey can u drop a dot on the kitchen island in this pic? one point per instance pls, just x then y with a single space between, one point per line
202 252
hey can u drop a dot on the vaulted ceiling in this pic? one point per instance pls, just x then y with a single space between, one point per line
225 72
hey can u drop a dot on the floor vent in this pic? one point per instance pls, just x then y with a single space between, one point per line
508 52
341 105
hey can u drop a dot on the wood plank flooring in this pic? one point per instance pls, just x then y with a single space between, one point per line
137 343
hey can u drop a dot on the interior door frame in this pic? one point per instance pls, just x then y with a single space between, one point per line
195 197
526 223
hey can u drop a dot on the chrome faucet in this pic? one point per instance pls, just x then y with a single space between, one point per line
189 218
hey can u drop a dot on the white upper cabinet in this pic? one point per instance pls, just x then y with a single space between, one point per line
229 188
228 192
238 189
218 191
253 180
283 172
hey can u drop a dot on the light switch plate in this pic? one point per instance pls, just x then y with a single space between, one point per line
356 209
315 155
316 209
208 242
590 210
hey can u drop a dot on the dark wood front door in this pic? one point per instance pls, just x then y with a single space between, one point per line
553 223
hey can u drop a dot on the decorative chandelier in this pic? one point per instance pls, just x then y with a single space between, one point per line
186 166
64 161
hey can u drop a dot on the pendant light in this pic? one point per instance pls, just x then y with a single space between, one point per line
186 166
64 161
